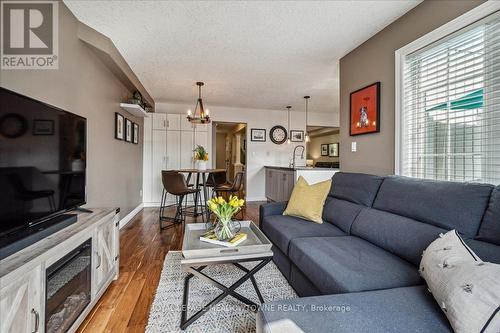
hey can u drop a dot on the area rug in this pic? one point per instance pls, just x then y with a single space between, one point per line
230 315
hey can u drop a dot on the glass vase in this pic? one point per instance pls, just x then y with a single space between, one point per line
225 229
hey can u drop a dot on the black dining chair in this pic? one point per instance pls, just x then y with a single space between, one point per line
175 184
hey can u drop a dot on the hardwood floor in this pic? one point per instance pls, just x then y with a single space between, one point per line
125 305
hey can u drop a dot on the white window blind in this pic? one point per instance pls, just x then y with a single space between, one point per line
450 117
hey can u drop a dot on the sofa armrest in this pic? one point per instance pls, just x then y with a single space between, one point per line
269 209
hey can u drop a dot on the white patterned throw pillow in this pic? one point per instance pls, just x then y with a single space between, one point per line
466 288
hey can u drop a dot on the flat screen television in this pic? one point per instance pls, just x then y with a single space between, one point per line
42 162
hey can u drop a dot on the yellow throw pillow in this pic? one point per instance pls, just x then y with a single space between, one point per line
307 200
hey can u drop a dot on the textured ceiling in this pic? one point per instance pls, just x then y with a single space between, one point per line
254 54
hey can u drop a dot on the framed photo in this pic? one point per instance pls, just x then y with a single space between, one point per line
128 130
333 150
43 127
135 136
296 136
258 134
119 126
365 110
324 150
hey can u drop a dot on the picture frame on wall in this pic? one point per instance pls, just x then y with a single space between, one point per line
296 136
333 150
258 135
135 136
365 110
324 149
119 126
43 127
128 130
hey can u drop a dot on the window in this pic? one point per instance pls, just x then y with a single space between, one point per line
449 111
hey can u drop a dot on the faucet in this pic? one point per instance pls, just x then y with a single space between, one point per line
295 154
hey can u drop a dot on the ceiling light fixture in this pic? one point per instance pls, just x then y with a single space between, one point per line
288 128
307 138
204 117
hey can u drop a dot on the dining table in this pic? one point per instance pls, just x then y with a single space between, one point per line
203 175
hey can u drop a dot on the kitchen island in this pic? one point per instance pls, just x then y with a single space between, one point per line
280 180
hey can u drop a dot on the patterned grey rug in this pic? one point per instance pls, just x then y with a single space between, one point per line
229 315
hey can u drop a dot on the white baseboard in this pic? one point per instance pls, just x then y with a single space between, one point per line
151 204
126 219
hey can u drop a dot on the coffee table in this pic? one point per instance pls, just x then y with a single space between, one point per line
197 255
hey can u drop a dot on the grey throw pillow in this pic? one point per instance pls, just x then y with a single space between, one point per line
466 288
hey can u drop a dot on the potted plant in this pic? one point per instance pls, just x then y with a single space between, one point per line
201 157
225 228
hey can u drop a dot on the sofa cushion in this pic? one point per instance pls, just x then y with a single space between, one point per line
349 264
402 236
486 251
490 227
410 309
341 213
282 229
355 187
448 205
308 200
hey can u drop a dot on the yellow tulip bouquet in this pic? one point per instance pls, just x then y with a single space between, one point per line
200 153
224 211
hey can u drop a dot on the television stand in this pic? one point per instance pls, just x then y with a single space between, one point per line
15 242
83 210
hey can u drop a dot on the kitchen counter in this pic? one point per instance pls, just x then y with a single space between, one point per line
281 180
299 168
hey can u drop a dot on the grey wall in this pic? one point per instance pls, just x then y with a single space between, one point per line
83 85
314 147
374 61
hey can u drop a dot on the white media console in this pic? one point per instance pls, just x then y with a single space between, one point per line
24 276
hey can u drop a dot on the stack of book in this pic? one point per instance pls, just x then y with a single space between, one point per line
210 237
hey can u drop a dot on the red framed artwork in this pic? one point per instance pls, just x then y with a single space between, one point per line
365 110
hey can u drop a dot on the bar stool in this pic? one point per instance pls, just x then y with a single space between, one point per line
235 188
174 183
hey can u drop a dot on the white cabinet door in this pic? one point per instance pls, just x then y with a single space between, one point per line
159 121
104 254
186 149
174 121
21 304
159 163
186 125
147 160
201 138
201 127
173 150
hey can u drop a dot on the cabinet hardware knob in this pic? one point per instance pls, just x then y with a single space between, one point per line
37 320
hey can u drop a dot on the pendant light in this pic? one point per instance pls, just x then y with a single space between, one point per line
288 128
307 138
204 117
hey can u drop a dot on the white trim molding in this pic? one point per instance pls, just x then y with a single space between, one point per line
127 218
472 16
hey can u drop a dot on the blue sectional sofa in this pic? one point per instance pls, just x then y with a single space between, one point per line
358 271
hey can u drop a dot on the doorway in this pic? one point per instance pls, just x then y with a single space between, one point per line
229 146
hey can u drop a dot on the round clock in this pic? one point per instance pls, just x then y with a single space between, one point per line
13 125
278 134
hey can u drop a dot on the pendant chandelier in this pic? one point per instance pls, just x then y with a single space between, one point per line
288 128
307 138
204 116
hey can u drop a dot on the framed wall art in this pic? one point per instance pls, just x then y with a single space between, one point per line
365 110
128 130
296 136
258 134
119 126
324 150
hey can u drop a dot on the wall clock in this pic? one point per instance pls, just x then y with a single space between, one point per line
278 134
13 125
